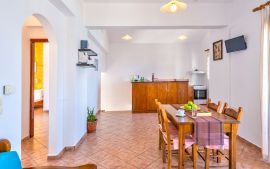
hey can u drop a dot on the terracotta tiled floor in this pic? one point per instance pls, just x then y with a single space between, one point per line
123 141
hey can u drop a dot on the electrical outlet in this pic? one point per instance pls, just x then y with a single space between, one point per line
8 90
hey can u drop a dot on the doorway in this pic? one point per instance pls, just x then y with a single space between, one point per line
35 83
38 27
39 88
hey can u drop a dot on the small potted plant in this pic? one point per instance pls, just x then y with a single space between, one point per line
91 120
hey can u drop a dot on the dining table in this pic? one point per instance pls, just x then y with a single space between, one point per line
185 125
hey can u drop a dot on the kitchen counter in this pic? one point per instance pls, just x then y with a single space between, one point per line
163 80
167 91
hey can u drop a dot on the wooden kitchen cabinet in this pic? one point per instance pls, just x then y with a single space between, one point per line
167 92
139 97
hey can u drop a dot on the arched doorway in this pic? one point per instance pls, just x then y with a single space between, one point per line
36 32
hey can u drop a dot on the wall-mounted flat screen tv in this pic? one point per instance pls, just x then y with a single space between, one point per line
236 44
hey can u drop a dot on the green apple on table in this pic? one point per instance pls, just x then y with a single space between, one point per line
190 105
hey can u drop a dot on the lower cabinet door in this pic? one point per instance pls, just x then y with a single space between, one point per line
182 93
152 94
162 92
139 97
172 93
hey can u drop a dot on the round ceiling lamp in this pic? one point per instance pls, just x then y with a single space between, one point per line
127 37
182 37
173 6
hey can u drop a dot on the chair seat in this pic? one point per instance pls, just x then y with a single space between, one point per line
221 147
189 141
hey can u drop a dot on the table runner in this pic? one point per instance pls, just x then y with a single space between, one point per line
208 131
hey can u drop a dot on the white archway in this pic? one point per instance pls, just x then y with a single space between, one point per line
55 122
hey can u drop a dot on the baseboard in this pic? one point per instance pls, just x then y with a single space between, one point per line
68 148
72 148
98 112
249 143
58 156
121 111
25 138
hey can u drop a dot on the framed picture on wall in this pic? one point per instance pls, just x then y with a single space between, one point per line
218 50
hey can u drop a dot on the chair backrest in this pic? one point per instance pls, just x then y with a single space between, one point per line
8 159
236 114
166 134
214 106
226 105
156 101
158 110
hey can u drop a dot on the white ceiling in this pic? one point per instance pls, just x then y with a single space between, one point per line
156 1
151 36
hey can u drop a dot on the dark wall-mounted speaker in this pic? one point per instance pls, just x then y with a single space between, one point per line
84 44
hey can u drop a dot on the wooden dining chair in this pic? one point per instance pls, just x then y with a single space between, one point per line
225 106
158 104
170 142
214 106
172 128
158 110
235 114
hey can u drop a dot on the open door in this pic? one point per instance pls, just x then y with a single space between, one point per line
33 68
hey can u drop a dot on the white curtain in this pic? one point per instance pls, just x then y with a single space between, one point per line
265 83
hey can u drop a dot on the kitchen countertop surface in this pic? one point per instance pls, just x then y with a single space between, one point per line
163 80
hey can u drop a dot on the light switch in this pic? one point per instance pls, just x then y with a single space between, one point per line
8 90
1 106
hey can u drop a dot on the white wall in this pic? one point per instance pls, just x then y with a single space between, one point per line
167 61
27 34
235 79
64 33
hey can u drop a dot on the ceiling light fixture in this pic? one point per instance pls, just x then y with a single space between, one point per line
127 37
173 6
182 37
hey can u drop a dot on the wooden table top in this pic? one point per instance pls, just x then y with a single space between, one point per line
171 112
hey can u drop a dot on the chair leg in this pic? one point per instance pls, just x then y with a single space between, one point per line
163 147
160 140
214 152
218 156
169 158
195 155
207 158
